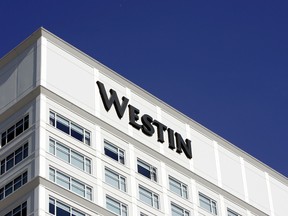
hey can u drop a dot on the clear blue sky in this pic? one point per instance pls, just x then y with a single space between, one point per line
222 63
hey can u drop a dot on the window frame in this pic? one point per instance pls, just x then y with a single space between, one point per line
185 212
70 182
122 206
52 149
20 208
53 121
10 188
232 212
52 207
212 203
120 153
152 170
154 197
182 187
119 178
13 132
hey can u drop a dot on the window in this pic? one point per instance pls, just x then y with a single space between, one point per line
70 183
70 156
13 185
208 204
61 209
114 179
232 213
178 187
116 206
178 211
14 131
20 210
69 127
114 152
149 197
147 170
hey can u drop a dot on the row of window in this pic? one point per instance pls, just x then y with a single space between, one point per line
70 156
70 183
13 185
121 209
150 198
14 158
20 210
69 127
15 130
58 208
113 178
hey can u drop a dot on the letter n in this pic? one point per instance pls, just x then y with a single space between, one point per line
120 108
185 146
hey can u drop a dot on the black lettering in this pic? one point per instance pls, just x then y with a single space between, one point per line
133 116
185 146
171 138
160 130
147 127
120 109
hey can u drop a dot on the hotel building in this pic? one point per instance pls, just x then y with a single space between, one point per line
79 139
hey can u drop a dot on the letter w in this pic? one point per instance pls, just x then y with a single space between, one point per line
120 109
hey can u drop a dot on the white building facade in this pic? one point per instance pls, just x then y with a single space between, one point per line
79 139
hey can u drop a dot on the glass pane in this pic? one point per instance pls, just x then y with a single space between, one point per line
142 169
89 193
3 139
62 209
52 206
18 155
111 151
111 178
3 166
156 201
113 206
10 161
52 119
77 213
232 213
17 211
24 209
78 188
10 133
62 152
52 146
205 203
19 127
88 165
63 180
185 191
121 156
8 188
77 160
17 182
62 124
145 196
25 153
175 186
52 175
24 178
122 184
77 132
124 210
87 137
26 122
176 211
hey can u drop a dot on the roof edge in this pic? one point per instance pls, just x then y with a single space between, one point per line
19 48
